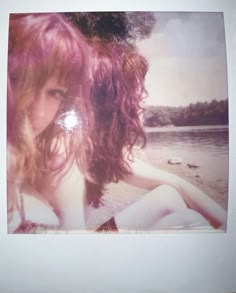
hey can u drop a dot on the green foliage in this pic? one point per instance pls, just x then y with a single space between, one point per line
140 24
213 113
114 26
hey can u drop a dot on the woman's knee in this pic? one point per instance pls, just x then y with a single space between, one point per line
167 197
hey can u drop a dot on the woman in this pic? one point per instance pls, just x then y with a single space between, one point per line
47 83
74 119
118 74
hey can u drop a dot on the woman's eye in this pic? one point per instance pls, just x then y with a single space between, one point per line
56 94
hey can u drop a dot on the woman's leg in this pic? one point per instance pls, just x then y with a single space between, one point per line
151 208
182 219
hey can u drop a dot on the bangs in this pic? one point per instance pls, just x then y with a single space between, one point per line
52 47
65 60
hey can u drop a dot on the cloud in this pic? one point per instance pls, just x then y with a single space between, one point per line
188 35
187 58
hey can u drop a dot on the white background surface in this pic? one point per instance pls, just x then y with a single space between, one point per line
195 262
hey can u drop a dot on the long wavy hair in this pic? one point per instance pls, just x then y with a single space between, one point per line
117 91
42 46
105 84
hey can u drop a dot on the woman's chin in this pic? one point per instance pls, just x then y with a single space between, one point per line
37 131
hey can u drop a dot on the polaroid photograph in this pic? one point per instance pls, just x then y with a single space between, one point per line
117 159
117 122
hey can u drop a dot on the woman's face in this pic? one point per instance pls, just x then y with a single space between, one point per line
46 105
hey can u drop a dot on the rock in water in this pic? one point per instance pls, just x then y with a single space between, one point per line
175 161
193 165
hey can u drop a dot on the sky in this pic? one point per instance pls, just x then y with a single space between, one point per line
187 58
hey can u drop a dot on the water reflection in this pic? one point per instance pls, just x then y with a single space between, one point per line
206 146
207 140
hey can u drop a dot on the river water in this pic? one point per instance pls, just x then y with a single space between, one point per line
205 145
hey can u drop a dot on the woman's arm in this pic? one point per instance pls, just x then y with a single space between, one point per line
148 177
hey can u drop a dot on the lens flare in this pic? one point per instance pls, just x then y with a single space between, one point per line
69 120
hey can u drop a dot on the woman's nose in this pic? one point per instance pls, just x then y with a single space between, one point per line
40 107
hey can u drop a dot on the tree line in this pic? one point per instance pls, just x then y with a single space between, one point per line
200 113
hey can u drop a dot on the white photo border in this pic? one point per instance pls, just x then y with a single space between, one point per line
163 262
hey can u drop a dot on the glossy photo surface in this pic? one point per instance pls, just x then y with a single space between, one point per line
117 122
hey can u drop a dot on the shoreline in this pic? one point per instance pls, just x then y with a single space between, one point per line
120 195
169 128
216 188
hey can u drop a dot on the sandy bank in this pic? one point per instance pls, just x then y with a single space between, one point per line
119 195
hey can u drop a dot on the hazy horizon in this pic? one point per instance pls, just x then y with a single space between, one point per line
187 59
176 106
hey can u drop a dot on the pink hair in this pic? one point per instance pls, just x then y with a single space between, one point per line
41 46
118 74
106 88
